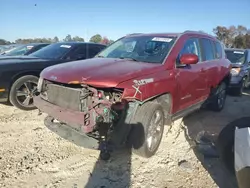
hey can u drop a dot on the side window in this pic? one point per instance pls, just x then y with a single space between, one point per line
191 46
218 50
79 53
208 53
93 50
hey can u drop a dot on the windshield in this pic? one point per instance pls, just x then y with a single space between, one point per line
52 51
236 56
21 50
149 49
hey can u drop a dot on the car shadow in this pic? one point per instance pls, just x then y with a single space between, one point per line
116 172
201 131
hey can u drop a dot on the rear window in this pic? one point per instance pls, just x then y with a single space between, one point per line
208 52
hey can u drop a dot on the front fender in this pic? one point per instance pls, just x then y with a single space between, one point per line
148 86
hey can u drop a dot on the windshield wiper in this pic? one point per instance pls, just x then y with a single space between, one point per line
128 58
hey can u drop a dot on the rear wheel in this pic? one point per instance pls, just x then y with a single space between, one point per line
147 131
21 92
219 99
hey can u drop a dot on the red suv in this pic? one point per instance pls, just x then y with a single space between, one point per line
130 90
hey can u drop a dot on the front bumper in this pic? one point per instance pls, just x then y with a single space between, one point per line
235 82
80 121
3 96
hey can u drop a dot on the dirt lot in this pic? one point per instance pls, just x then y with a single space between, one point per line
32 156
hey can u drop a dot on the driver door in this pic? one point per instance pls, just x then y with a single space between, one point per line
191 79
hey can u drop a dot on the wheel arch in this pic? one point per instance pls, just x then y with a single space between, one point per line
166 101
227 79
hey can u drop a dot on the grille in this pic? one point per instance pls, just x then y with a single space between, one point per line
65 97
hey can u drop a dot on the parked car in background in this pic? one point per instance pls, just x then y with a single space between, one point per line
19 74
126 93
7 48
240 59
25 49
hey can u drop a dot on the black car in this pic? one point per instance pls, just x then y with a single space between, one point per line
25 49
240 59
19 74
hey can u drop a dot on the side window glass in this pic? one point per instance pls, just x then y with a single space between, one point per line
191 46
79 53
93 50
207 49
218 52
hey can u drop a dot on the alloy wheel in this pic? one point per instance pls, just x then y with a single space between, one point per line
155 131
25 93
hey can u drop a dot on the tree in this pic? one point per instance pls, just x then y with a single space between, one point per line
237 37
105 41
68 38
247 40
223 34
242 30
35 40
96 38
55 39
111 41
78 39
3 42
239 42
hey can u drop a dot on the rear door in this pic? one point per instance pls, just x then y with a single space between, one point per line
211 59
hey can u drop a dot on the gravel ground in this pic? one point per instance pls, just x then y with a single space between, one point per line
32 156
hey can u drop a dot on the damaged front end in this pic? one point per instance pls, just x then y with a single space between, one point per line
88 116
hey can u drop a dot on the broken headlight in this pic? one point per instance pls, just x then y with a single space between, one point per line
235 71
40 84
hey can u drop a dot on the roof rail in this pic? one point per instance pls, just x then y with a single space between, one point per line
190 31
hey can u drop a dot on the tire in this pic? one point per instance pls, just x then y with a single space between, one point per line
139 138
18 85
225 142
238 91
246 81
218 102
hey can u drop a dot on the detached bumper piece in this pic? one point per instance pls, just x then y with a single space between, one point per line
70 134
242 156
75 126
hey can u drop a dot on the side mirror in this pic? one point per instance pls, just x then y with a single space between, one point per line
188 59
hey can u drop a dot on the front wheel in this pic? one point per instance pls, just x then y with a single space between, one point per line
147 130
21 92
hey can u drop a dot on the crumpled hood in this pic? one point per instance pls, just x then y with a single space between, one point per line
102 72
